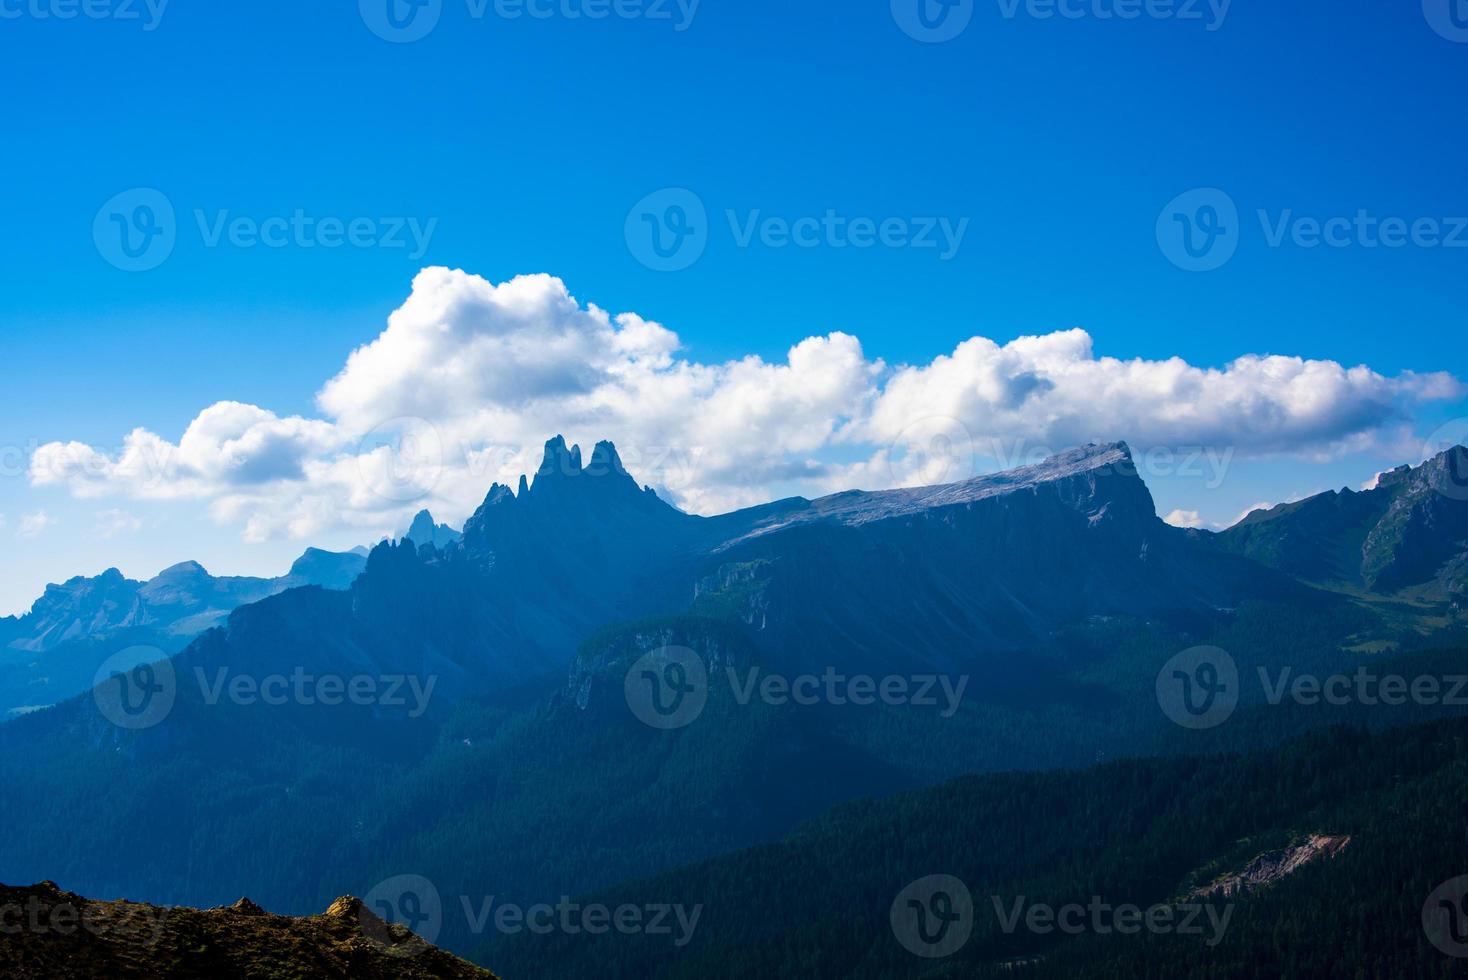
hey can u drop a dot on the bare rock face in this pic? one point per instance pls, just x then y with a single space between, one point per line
47 932
1271 866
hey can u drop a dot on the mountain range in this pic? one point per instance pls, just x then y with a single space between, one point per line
1052 594
76 625
1408 533
53 651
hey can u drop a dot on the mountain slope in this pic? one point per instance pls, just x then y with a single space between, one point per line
824 901
942 576
1409 531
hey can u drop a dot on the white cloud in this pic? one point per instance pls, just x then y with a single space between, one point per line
1184 518
469 378
114 521
31 525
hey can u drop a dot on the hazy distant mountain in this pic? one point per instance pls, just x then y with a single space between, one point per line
52 651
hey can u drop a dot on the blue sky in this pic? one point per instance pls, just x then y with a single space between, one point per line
524 143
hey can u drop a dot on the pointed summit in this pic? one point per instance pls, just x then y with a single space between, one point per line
558 461
604 460
423 531
562 467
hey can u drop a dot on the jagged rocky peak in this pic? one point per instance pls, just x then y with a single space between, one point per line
562 467
558 461
423 531
1448 471
604 459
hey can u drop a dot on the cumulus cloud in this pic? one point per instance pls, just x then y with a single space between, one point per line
1184 518
470 377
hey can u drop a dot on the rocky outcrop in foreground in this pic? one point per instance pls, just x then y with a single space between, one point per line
47 932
